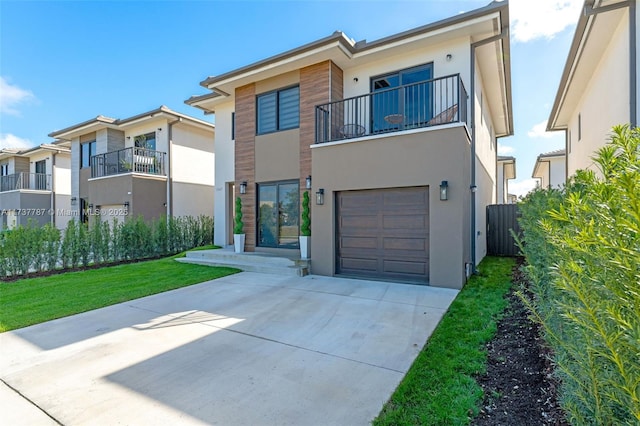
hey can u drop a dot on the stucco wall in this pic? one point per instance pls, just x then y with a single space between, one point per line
190 199
605 101
224 174
424 158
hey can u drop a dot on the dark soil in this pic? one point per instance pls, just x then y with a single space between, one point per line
519 386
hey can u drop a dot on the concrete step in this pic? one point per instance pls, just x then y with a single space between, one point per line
251 262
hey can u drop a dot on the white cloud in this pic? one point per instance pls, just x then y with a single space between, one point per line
7 140
505 150
11 95
521 188
532 19
540 131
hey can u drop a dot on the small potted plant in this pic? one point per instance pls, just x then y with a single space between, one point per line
238 228
305 227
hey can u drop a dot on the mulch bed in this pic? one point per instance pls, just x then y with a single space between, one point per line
519 386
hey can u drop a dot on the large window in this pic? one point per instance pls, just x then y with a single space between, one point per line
4 169
87 150
146 141
279 110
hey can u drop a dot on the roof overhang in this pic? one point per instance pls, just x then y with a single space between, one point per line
475 25
592 35
541 167
508 166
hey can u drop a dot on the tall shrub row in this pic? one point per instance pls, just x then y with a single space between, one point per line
582 246
33 248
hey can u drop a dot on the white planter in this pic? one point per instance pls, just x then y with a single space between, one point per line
238 243
305 247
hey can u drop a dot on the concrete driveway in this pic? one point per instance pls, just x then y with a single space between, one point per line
248 349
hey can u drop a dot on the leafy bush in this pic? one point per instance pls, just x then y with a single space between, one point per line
582 245
238 227
305 227
31 248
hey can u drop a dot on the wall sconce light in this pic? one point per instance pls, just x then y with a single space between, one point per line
473 188
308 182
128 137
320 197
90 206
126 205
449 57
74 201
243 187
159 129
444 190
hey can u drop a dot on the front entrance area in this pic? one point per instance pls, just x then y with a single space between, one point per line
279 214
384 234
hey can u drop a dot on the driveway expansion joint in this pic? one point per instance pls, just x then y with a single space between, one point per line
31 402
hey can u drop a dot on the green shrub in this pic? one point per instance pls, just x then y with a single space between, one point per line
305 226
582 246
238 227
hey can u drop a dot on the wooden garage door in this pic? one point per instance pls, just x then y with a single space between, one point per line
384 234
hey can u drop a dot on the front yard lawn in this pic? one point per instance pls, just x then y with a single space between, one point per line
34 300
440 388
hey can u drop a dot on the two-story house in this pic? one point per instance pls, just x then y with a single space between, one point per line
550 169
506 171
35 184
395 139
600 84
156 163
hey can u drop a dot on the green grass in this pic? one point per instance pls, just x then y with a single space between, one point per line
34 300
440 388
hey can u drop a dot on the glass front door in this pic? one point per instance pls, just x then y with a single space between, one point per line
279 215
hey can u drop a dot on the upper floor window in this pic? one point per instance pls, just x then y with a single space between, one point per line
87 150
146 141
278 110
4 169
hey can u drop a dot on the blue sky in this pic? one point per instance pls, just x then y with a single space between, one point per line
63 62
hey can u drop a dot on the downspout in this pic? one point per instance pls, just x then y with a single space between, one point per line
504 32
169 167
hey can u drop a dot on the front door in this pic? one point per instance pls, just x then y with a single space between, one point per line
279 214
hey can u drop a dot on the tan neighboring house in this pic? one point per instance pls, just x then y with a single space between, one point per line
395 140
156 163
550 169
506 169
35 184
599 86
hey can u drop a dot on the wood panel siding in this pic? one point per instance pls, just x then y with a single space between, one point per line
245 158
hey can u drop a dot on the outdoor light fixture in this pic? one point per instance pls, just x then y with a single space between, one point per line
444 190
74 201
473 188
243 187
90 206
126 205
320 197
308 182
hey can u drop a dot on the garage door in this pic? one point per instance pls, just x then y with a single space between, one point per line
384 234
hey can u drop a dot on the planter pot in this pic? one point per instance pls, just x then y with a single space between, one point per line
305 247
238 243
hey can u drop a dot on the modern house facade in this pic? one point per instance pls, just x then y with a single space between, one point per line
156 163
395 140
35 184
600 86
506 170
550 169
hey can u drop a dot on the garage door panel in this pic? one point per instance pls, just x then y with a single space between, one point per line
416 222
402 267
384 234
408 244
359 243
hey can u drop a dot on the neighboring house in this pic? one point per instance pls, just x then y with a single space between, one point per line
550 169
157 163
379 130
35 184
506 171
600 86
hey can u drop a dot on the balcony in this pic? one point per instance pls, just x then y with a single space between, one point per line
425 104
28 181
128 160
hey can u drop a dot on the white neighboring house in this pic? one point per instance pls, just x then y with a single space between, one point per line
35 184
600 86
550 169
506 171
160 162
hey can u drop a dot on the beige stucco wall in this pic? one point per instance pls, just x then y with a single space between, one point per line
224 174
415 158
277 156
604 103
191 199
